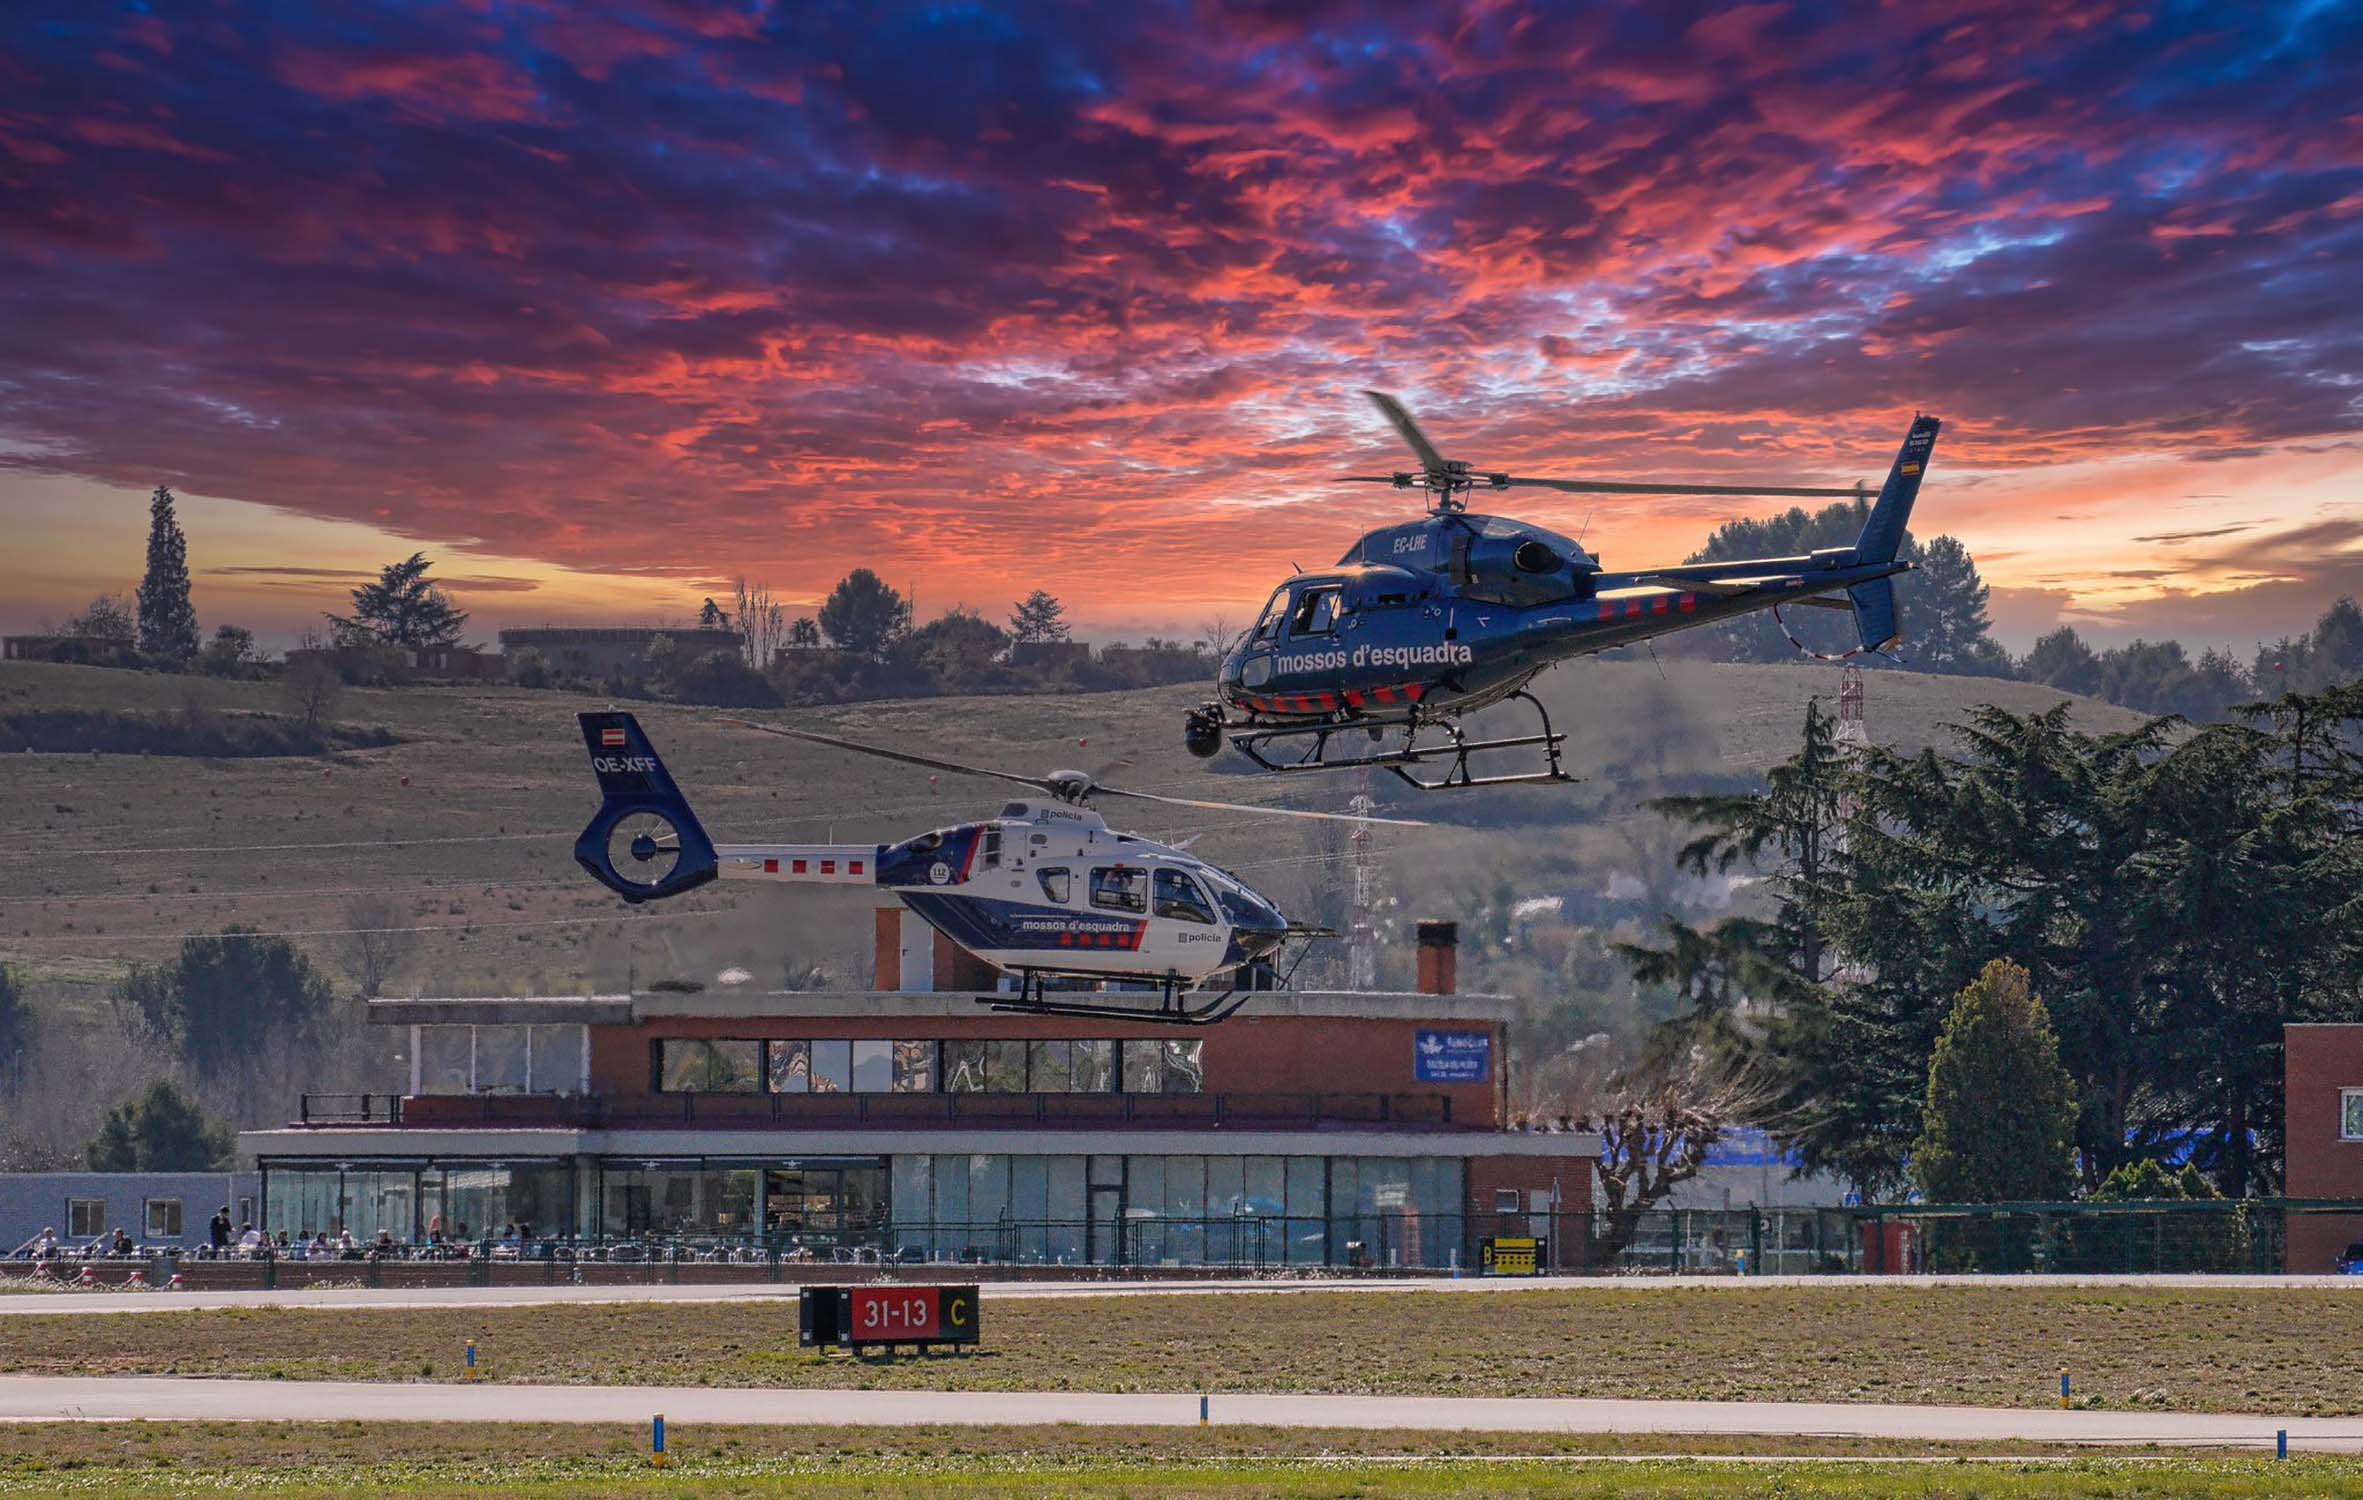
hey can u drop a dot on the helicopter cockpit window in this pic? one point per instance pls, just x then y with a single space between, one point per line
1316 611
1058 885
1178 896
1267 624
1117 888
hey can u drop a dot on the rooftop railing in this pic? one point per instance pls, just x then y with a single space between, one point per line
884 1111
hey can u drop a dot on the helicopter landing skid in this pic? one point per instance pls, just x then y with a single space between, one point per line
1453 754
1172 1008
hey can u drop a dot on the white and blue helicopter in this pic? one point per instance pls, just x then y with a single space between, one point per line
1046 890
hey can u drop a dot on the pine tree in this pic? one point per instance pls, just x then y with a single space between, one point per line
164 1131
2062 660
1039 618
1944 614
863 614
402 608
2001 1112
167 620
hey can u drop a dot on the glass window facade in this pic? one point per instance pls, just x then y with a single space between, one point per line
501 1059
446 1059
873 1067
914 1067
1171 1066
661 1201
1026 1209
1176 1210
463 1200
789 1067
832 1066
697 1066
824 1065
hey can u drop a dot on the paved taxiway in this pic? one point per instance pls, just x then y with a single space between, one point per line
70 1300
46 1398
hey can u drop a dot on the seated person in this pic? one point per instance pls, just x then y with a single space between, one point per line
45 1245
122 1247
346 1249
320 1246
250 1240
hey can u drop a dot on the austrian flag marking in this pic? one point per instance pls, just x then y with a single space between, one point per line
611 739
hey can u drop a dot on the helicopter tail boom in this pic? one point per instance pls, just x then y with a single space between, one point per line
1883 531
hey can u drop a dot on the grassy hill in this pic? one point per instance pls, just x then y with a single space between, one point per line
464 826
457 818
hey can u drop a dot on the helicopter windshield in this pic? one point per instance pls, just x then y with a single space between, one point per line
1267 624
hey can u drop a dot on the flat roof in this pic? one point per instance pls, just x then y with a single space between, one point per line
500 1143
746 1004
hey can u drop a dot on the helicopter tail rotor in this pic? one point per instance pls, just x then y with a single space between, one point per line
644 843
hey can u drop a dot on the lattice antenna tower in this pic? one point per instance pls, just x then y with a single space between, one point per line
1852 740
1853 732
1362 912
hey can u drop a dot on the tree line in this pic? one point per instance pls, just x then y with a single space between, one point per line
861 643
1946 629
2167 897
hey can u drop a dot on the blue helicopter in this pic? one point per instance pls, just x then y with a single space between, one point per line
1046 890
1424 623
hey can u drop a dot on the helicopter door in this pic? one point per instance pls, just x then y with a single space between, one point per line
1179 896
1316 611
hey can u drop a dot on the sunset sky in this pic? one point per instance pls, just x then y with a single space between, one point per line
602 306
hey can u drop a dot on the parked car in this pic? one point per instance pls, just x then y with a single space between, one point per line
2350 1260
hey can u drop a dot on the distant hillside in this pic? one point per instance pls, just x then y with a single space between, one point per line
488 787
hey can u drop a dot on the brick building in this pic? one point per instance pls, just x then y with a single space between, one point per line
2322 1080
912 1122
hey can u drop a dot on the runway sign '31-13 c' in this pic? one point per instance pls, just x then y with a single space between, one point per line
1452 1056
850 1317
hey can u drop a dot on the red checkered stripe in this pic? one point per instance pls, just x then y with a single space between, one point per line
1659 604
1126 942
1328 703
849 868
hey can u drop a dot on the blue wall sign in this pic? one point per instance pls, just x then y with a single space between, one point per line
1452 1057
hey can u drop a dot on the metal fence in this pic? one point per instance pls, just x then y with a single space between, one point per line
2220 1237
2257 1236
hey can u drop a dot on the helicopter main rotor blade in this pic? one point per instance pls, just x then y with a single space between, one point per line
1249 807
1400 420
1628 487
811 736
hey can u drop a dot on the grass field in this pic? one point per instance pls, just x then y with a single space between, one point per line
2265 1350
501 771
479 1459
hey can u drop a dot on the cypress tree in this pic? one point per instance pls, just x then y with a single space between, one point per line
2001 1112
167 620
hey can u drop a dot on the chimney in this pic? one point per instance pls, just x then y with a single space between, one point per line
1439 958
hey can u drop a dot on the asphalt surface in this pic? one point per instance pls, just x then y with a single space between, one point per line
71 1300
49 1399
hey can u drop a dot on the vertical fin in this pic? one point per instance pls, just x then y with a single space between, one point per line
1883 531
